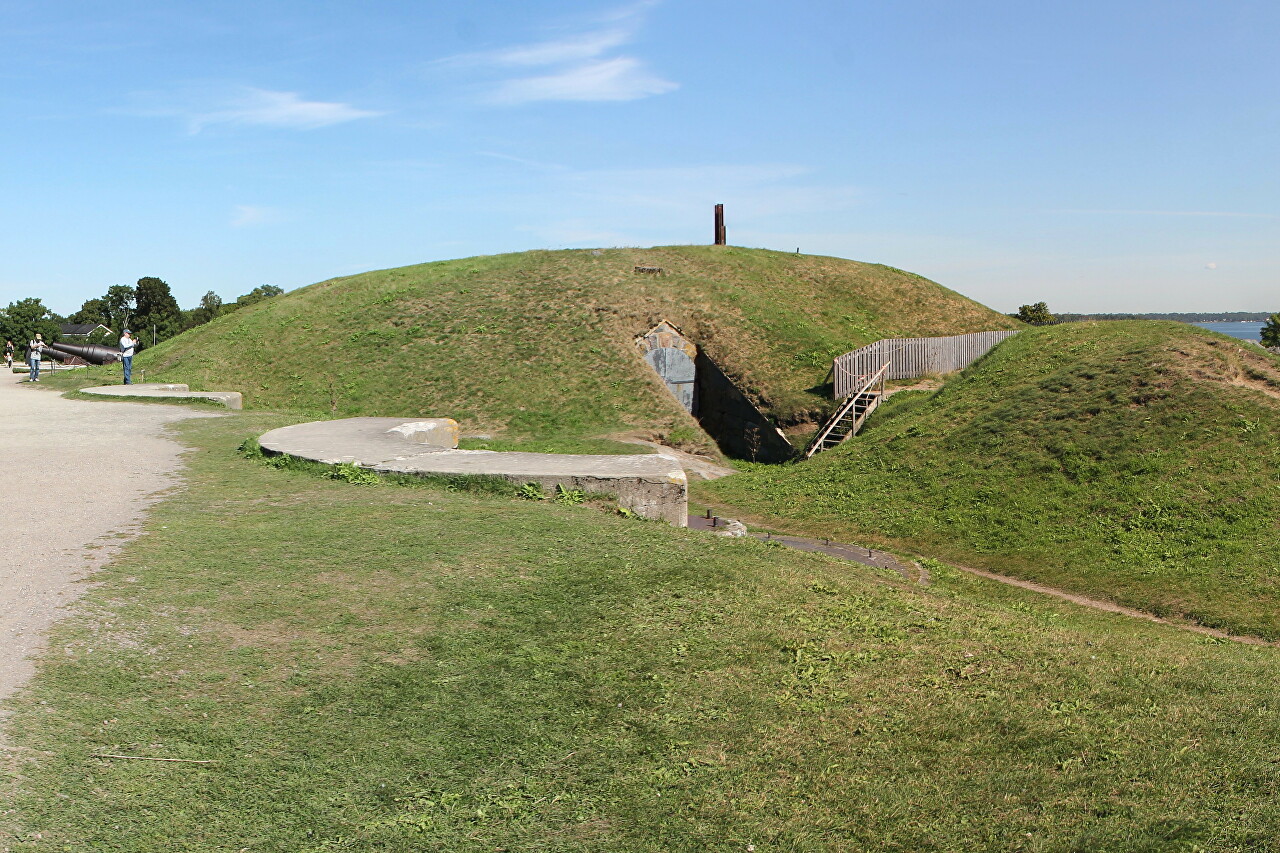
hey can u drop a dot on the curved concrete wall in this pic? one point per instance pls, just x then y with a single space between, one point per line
652 485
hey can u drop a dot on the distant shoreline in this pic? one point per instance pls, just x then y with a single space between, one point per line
1195 317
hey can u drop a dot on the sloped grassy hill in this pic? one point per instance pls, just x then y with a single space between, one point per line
1137 461
379 668
540 344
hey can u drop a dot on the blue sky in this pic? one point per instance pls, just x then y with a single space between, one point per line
1100 156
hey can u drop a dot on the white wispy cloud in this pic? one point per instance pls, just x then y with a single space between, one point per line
574 49
586 66
248 215
277 109
620 79
205 105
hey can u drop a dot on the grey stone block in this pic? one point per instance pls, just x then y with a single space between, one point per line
433 432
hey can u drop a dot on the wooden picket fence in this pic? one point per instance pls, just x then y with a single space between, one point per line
911 357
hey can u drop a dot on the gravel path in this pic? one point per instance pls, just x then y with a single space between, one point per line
74 475
1110 607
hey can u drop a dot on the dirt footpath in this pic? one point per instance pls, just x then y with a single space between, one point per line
73 474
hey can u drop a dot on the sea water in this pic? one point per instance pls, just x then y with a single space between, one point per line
1249 330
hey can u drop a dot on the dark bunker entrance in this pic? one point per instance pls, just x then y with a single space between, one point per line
726 414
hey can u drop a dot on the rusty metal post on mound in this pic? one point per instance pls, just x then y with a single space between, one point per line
720 231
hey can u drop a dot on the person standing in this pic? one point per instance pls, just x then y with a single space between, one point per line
8 354
127 345
35 348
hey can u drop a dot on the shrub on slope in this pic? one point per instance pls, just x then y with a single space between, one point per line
541 343
1136 461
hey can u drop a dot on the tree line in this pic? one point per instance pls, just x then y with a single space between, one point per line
1038 314
149 309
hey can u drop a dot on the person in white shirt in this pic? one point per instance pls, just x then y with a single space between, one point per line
35 348
127 344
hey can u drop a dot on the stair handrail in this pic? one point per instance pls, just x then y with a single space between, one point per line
869 379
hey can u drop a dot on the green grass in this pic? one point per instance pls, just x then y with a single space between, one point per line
392 665
590 446
381 668
1132 461
539 346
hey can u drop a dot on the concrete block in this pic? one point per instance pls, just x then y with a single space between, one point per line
230 399
433 432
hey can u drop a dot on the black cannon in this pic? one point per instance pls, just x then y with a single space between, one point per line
66 358
92 353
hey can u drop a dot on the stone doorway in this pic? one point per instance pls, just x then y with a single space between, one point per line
702 388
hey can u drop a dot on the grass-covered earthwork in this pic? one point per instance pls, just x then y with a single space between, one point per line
541 345
378 667
1133 461
348 662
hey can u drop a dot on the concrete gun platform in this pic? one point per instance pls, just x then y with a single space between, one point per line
161 390
650 485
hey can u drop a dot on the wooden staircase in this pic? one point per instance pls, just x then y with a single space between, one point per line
851 414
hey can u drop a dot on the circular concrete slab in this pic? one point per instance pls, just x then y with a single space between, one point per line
650 485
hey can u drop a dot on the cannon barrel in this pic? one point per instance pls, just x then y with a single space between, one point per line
51 354
92 353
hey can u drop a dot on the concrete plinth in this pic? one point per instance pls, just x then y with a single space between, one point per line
176 390
652 486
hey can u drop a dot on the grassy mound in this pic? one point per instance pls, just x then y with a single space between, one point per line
540 344
1137 461
359 668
